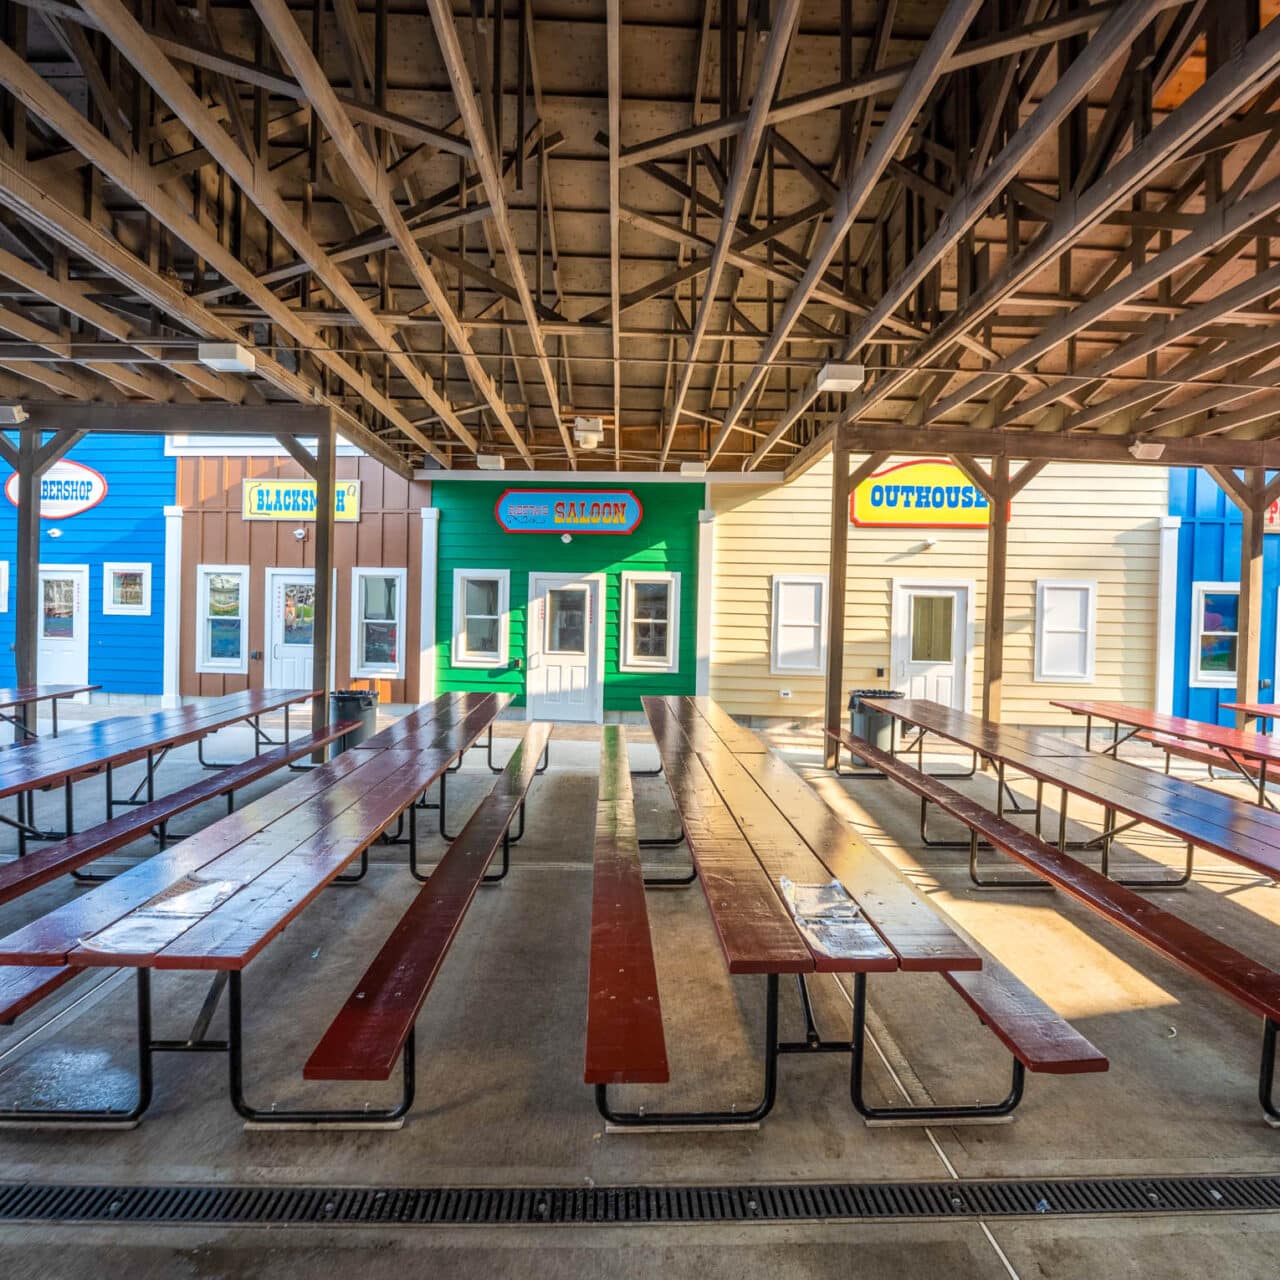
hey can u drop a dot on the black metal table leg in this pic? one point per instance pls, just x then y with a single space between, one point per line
1267 1073
642 1119
345 1117
916 1114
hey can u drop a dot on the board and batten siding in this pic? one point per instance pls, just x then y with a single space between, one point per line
125 650
666 541
1072 521
388 535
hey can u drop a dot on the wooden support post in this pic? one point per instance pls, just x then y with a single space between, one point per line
836 574
323 633
997 562
1249 620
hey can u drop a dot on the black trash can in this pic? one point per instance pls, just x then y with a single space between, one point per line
353 704
868 723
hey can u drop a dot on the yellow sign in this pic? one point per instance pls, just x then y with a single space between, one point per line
927 493
296 500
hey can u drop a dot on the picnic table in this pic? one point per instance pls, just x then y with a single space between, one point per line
43 763
752 825
1247 753
214 901
31 696
1229 827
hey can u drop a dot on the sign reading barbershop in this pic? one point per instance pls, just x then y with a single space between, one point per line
568 511
66 489
296 500
927 493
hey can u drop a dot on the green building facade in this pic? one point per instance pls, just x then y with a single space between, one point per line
576 598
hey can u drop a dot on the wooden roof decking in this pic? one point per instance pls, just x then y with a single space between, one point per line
457 232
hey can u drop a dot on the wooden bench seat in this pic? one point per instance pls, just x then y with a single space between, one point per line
1211 757
376 1023
625 1041
34 869
1249 983
22 987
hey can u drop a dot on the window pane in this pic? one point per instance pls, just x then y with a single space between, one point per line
58 615
1066 654
299 612
651 599
380 644
1221 610
567 620
378 602
481 597
1218 655
649 638
224 595
798 646
224 638
1066 609
931 628
800 602
482 635
126 588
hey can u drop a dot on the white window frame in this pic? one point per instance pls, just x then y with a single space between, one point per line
780 580
143 567
460 657
372 670
4 586
221 666
628 661
1199 590
1090 587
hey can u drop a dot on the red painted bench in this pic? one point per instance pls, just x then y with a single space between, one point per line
1211 757
375 1026
1249 983
625 1041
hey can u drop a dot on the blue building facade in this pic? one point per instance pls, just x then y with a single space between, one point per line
1205 637
102 557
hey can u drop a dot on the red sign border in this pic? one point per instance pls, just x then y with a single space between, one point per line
594 533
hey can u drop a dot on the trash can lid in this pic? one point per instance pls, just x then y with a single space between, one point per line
366 697
873 693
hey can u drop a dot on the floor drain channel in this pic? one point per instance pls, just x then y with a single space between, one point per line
765 1202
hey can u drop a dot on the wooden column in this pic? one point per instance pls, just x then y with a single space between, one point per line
837 573
326 462
997 566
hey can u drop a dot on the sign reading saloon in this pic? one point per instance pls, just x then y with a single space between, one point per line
568 511
928 493
296 500
66 489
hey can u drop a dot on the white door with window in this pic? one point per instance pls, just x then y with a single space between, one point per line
62 654
931 630
564 647
291 616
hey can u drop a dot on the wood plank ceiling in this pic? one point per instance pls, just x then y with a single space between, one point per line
464 226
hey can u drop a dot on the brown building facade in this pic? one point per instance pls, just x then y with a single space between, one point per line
247 576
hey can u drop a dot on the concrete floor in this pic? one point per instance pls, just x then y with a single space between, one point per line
501 1102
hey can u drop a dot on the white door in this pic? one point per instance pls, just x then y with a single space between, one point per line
291 616
931 642
565 654
62 654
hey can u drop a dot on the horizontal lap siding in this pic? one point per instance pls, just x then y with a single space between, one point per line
1071 521
388 535
666 540
126 652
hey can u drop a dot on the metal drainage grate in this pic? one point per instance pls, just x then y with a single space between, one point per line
777 1202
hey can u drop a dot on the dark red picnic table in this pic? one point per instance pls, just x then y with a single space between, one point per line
31 696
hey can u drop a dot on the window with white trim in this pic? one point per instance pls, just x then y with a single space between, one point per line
650 622
222 613
1215 633
799 642
480 617
377 623
1066 630
4 586
126 587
